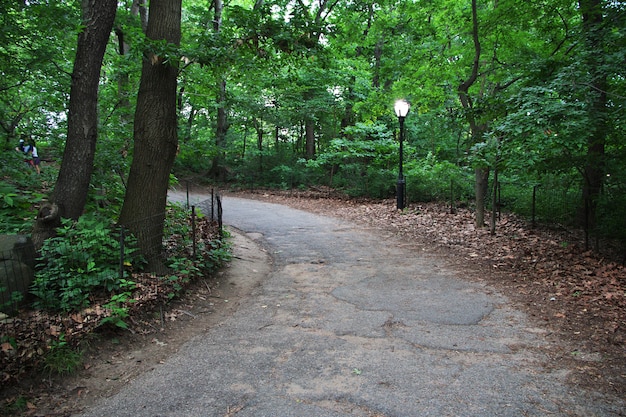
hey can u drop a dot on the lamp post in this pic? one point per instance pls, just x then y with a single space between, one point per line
402 109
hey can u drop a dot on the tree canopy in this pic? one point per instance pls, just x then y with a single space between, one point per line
293 93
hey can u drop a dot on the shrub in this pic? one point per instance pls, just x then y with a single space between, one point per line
429 179
19 195
83 259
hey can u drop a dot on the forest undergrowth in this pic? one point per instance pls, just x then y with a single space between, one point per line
578 295
35 336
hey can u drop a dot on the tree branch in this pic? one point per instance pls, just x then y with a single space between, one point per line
464 86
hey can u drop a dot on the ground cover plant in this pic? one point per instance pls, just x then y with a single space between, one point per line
79 291
51 337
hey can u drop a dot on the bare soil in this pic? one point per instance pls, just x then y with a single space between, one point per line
578 296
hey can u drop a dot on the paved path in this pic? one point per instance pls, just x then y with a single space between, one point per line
352 323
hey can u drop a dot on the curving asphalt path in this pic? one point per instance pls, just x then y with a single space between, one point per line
352 323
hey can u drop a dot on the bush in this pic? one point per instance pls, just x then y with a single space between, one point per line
83 259
429 179
358 180
20 192
195 157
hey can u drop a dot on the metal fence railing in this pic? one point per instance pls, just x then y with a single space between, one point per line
106 257
600 224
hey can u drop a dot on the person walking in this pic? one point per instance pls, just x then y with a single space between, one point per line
24 148
35 161
20 146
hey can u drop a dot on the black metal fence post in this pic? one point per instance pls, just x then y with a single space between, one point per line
212 204
187 187
122 253
193 231
586 223
533 208
219 216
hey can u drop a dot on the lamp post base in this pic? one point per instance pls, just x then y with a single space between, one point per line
401 191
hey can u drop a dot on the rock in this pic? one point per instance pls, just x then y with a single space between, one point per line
15 279
19 248
17 264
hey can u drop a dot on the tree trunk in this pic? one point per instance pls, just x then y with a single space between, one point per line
244 144
218 171
138 8
378 55
72 186
476 129
309 129
220 133
155 136
594 170
258 126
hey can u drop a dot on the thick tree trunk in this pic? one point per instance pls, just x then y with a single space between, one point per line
69 196
72 186
155 134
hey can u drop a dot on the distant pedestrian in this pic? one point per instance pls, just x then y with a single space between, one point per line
24 148
35 161
21 145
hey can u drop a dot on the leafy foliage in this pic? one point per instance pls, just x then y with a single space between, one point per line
118 306
336 72
430 179
62 358
83 259
210 254
20 193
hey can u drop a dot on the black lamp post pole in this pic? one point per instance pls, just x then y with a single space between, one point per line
401 188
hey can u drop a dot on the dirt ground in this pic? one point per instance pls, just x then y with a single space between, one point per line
112 360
